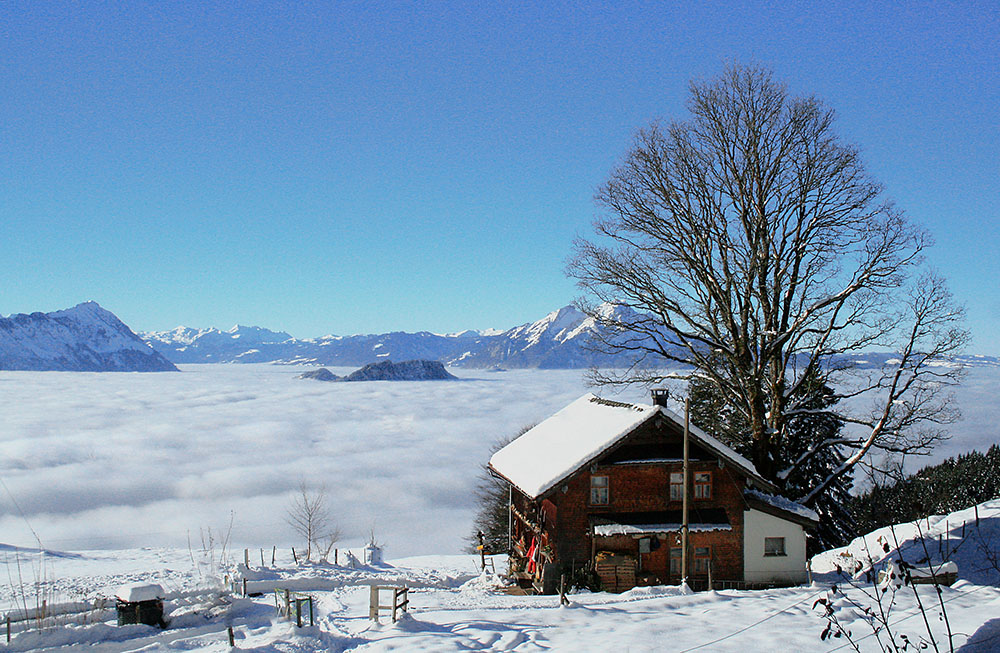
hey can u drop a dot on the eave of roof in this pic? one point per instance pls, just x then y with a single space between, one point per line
757 502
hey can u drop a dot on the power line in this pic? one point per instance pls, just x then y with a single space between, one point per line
753 625
21 512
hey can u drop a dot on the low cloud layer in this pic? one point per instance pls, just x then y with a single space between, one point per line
122 460
116 460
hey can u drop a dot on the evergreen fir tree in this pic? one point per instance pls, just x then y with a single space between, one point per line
806 432
714 414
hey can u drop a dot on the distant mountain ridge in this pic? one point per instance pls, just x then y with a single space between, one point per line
557 341
85 338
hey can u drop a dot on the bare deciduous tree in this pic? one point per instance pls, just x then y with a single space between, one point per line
309 516
751 244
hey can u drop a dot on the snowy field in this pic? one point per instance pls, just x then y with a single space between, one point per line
109 461
454 608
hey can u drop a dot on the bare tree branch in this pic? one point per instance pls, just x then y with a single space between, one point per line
309 516
750 244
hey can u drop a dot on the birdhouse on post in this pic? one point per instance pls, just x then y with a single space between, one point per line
140 603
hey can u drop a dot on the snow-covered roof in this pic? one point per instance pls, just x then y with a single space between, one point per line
561 444
135 592
783 503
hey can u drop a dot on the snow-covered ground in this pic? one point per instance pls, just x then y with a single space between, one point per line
455 608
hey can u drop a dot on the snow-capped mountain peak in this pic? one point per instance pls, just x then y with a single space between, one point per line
554 326
85 337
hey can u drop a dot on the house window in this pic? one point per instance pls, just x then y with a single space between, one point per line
675 561
703 485
599 490
774 546
702 559
676 486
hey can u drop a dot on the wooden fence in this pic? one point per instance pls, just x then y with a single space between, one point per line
400 601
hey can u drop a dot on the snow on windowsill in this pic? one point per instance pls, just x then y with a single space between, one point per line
606 530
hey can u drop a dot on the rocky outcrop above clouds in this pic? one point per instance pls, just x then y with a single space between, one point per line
418 370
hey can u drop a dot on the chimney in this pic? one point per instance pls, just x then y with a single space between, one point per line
660 396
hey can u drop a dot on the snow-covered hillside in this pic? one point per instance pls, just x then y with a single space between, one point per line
454 607
85 338
970 538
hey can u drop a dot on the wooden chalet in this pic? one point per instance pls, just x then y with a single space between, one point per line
599 485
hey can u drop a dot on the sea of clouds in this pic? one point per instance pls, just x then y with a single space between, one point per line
112 460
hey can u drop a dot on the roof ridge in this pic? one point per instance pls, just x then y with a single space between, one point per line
614 404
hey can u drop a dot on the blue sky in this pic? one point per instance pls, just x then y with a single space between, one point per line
365 167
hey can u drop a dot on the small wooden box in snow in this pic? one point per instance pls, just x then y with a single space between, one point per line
140 603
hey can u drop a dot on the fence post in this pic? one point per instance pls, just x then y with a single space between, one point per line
232 640
262 557
288 608
311 611
298 612
246 557
482 550
8 628
373 603
295 557
335 556
244 588
709 575
274 551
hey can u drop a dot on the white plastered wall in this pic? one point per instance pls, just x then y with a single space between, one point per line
789 568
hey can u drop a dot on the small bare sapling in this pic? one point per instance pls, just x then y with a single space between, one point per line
309 516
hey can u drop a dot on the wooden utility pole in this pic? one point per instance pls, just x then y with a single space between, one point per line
684 494
510 519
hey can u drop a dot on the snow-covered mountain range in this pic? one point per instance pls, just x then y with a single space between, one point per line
85 338
557 341
90 338
560 340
